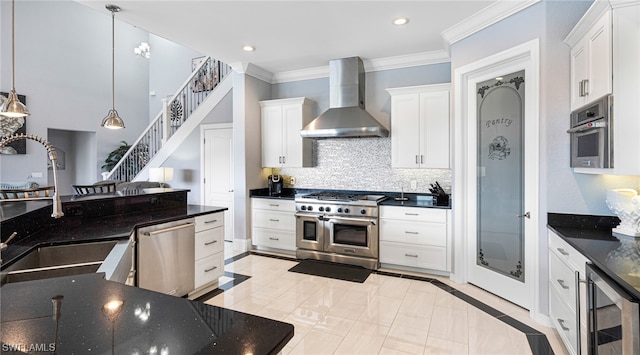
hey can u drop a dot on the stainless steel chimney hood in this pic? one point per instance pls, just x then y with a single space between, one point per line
346 116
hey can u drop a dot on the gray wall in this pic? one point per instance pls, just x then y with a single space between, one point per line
364 163
63 66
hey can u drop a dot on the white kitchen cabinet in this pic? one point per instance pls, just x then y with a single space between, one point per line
609 36
420 126
273 224
591 63
209 251
415 237
282 145
567 294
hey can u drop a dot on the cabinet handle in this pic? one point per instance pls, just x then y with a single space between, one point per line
213 221
284 159
274 220
581 88
585 87
407 232
561 322
213 268
273 205
410 214
411 255
272 238
562 251
561 282
421 159
416 159
211 242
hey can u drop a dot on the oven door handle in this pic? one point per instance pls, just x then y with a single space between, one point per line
359 221
309 216
600 123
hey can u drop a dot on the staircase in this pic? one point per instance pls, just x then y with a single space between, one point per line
186 109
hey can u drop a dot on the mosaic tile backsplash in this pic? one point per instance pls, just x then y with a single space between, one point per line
361 164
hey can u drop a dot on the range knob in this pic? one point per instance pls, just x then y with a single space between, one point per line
321 209
309 208
303 208
339 209
346 210
328 209
363 211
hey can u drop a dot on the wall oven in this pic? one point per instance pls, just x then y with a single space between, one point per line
614 325
338 228
592 135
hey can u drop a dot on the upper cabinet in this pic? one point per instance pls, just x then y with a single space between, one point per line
420 126
605 51
591 66
282 145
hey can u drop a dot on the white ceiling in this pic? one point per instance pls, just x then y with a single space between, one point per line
295 35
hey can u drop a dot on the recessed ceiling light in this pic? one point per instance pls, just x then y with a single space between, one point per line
401 21
499 78
248 48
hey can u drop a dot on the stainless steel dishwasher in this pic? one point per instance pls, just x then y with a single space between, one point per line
166 254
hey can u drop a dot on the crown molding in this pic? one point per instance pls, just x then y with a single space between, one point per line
253 70
388 63
484 18
595 11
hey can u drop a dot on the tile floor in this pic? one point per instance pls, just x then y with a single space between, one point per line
383 315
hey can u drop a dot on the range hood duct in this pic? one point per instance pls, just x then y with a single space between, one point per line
346 116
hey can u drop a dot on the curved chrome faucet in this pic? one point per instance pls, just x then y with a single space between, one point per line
57 204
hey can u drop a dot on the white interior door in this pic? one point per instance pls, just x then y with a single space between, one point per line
497 156
217 167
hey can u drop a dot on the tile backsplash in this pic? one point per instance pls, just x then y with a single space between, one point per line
361 164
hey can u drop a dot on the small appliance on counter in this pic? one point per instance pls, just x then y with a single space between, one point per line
275 184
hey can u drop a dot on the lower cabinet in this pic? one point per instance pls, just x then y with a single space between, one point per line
567 294
273 224
209 251
415 237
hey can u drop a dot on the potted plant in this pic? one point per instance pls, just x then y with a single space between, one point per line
114 157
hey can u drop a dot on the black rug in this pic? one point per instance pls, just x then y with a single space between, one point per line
332 270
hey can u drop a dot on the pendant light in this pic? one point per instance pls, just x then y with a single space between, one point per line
12 107
112 120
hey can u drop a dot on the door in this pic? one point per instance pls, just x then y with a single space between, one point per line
405 137
271 136
217 170
499 260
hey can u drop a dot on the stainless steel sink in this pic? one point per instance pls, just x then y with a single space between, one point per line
58 260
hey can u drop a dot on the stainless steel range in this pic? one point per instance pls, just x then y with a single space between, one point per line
338 227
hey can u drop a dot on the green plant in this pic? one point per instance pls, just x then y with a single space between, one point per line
114 157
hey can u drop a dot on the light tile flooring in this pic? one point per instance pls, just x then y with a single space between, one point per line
383 315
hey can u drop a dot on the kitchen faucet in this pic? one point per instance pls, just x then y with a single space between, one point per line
57 204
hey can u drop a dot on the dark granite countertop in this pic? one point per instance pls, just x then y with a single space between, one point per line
413 200
146 320
616 255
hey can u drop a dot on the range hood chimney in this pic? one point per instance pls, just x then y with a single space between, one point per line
346 116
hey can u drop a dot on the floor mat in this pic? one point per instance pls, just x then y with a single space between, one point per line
332 270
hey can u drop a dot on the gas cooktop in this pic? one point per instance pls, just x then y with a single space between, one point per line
342 197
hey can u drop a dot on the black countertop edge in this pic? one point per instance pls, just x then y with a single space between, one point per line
290 194
617 256
146 319
100 229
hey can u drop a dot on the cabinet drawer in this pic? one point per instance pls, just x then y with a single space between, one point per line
209 242
564 320
563 279
414 214
566 252
423 233
273 204
208 269
274 220
209 221
428 257
277 239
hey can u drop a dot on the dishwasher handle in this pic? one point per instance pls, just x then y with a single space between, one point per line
160 231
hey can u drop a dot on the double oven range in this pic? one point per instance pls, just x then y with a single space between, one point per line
338 227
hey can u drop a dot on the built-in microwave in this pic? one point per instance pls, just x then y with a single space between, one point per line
613 316
592 134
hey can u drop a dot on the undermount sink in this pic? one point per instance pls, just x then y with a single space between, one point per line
59 260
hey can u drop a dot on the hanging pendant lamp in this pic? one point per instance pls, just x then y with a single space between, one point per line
112 120
12 107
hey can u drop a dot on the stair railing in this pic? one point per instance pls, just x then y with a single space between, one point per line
175 111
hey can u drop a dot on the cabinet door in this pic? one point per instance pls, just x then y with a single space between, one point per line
405 137
271 136
434 130
579 72
291 139
600 58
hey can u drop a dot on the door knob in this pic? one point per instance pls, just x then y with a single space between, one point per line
528 215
